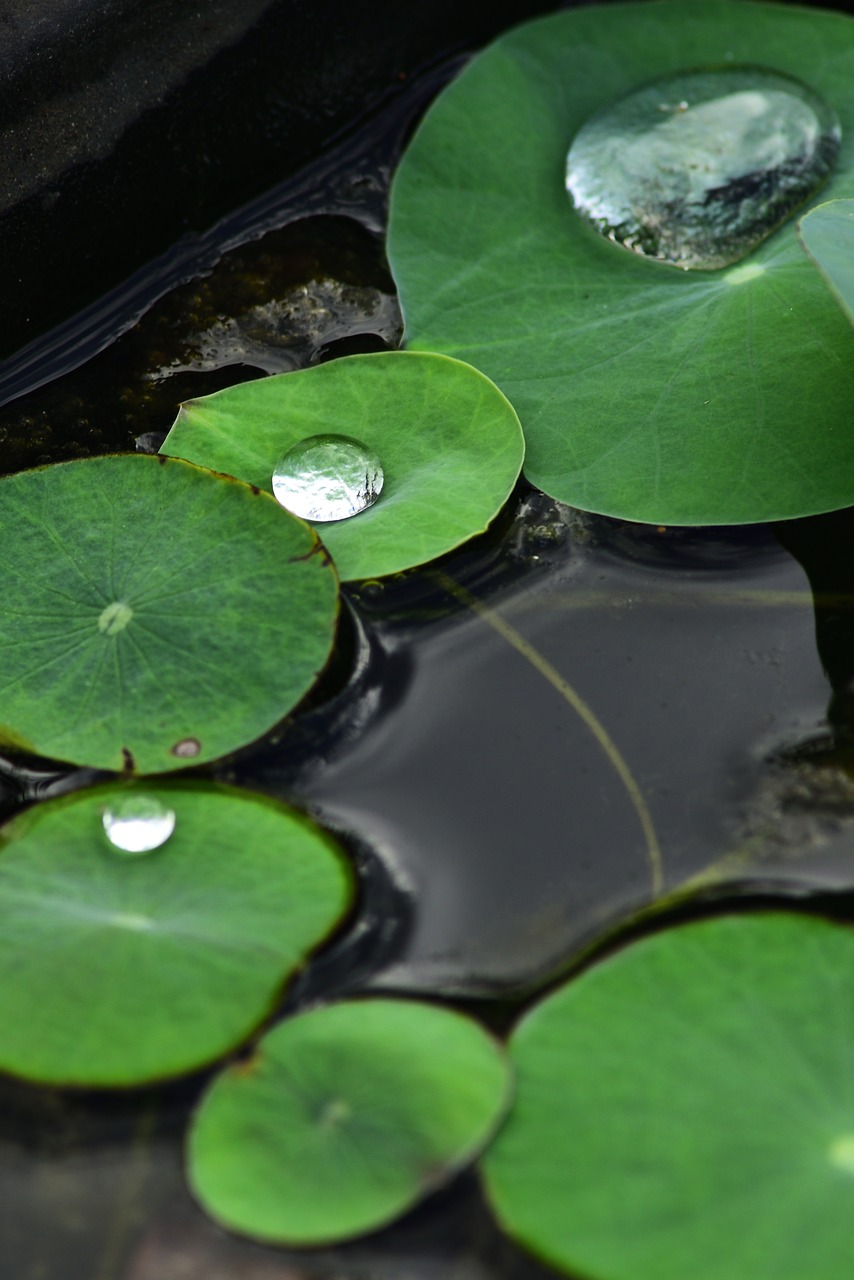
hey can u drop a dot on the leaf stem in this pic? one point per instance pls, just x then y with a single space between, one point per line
585 713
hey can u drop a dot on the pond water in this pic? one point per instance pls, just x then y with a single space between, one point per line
526 746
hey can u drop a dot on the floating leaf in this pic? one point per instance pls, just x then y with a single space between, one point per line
644 391
686 1108
827 234
345 1117
118 969
448 442
154 615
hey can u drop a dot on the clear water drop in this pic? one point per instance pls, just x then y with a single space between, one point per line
327 477
697 169
138 823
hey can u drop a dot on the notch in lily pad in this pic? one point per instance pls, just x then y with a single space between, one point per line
117 970
155 615
718 396
345 1117
438 451
827 235
684 1108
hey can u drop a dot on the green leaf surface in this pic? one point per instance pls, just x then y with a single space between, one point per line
153 615
118 969
686 1108
644 391
449 443
345 1117
827 234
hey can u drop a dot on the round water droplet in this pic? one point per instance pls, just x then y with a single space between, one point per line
697 169
327 477
138 823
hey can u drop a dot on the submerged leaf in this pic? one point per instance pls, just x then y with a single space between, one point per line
343 1118
119 969
670 396
686 1108
154 615
448 444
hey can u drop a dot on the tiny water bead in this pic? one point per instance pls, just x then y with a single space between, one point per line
327 477
697 169
138 823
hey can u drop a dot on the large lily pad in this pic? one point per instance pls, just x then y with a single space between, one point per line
345 1117
644 391
827 234
117 966
449 443
685 1109
154 615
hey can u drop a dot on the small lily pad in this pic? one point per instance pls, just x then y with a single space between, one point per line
345 1117
448 442
646 392
117 969
155 615
686 1108
827 234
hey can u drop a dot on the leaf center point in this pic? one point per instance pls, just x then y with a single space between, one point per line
127 920
841 1153
740 275
114 618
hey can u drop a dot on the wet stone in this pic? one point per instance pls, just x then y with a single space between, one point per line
327 477
697 169
137 824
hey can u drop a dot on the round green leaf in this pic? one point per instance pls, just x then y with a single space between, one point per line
154 615
686 1108
644 391
827 234
450 446
345 1117
117 969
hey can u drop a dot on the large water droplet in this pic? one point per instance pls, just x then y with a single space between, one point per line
327 477
138 823
697 169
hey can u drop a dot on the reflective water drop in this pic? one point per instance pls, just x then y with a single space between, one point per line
327 477
138 823
697 169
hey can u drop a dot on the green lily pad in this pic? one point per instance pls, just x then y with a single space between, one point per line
827 234
644 391
686 1108
154 615
119 966
449 444
344 1118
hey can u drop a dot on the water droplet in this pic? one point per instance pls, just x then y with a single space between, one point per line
327 477
696 170
138 823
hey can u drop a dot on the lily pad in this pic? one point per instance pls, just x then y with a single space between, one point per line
827 234
685 1109
345 1117
449 444
154 615
644 391
118 969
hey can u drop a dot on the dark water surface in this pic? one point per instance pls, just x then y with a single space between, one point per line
525 745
